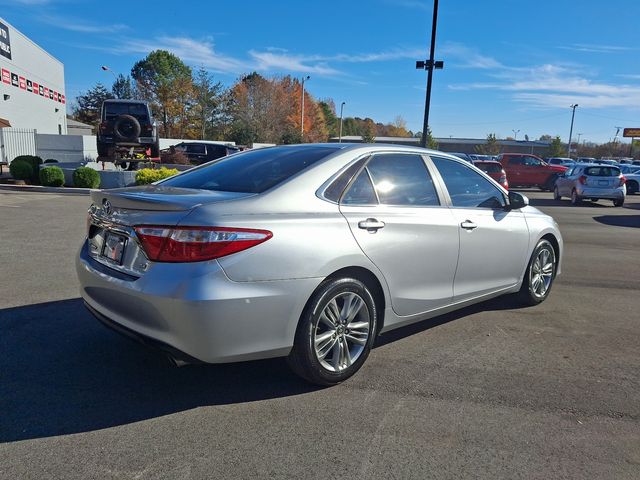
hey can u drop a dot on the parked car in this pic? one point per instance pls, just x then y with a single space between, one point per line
633 182
308 251
524 170
635 162
566 162
586 160
606 161
625 169
202 152
127 127
464 156
592 181
494 170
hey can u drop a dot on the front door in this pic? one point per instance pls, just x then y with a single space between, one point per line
396 217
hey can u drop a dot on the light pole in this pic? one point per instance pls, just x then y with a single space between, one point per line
340 134
429 65
515 134
302 109
573 114
107 69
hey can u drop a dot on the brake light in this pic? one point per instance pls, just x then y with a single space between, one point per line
583 179
623 180
196 244
503 180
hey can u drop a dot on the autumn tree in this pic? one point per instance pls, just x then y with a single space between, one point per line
368 131
88 105
331 121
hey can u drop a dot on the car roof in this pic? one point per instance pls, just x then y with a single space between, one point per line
118 100
487 161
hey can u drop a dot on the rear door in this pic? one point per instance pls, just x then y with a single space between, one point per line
395 215
493 241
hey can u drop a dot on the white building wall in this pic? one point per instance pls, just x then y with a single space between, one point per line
29 65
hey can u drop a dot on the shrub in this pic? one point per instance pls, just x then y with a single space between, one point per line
176 157
21 170
150 175
85 177
52 177
35 163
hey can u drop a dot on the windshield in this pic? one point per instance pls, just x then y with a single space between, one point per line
253 171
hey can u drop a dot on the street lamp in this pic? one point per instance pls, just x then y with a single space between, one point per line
340 134
515 134
430 64
573 114
107 69
302 109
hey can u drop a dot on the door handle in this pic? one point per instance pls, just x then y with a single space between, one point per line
371 225
468 225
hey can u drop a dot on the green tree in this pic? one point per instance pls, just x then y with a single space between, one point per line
332 122
165 81
88 105
123 88
368 132
556 149
431 142
207 99
491 147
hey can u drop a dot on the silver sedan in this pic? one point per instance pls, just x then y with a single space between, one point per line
308 252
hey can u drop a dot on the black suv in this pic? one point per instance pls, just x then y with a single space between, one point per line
201 152
127 127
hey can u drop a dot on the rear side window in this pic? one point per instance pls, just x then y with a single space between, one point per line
251 172
361 191
402 180
466 187
138 110
489 167
334 191
602 171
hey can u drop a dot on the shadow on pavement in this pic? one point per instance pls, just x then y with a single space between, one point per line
632 221
62 372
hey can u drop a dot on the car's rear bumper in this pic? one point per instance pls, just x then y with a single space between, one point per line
594 192
194 312
138 141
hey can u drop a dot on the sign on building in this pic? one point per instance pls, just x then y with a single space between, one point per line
5 41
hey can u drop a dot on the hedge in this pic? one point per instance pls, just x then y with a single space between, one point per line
35 163
150 175
85 177
21 170
52 177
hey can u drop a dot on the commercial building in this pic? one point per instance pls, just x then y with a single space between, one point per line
32 93
462 145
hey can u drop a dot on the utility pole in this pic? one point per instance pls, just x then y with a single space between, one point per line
573 114
302 109
429 66
340 134
515 134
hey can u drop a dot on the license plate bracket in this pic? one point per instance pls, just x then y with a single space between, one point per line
113 247
603 183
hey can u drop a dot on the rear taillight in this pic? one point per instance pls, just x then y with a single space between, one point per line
623 180
103 127
583 179
196 244
503 179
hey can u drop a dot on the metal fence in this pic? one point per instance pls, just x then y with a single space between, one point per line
17 141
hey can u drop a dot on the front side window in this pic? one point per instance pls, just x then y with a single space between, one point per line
467 188
532 162
195 148
401 179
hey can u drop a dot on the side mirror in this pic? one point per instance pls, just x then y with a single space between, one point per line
517 201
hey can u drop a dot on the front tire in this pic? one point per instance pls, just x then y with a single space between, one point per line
618 203
335 333
632 187
540 274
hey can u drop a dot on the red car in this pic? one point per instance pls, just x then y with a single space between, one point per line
494 170
525 170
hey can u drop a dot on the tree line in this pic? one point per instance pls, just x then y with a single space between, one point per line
193 105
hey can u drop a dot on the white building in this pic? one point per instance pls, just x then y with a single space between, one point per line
32 94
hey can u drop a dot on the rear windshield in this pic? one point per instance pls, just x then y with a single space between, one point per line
489 167
138 110
251 172
602 171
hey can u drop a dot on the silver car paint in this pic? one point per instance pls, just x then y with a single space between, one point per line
567 184
247 305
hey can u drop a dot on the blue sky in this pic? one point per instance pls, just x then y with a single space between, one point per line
509 65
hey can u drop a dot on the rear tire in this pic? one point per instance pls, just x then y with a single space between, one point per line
618 203
103 149
540 274
575 198
632 187
335 333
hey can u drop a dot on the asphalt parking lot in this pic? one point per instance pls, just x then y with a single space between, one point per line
491 391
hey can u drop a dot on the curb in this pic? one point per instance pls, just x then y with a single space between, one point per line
41 189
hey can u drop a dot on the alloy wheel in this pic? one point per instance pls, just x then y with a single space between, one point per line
542 272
